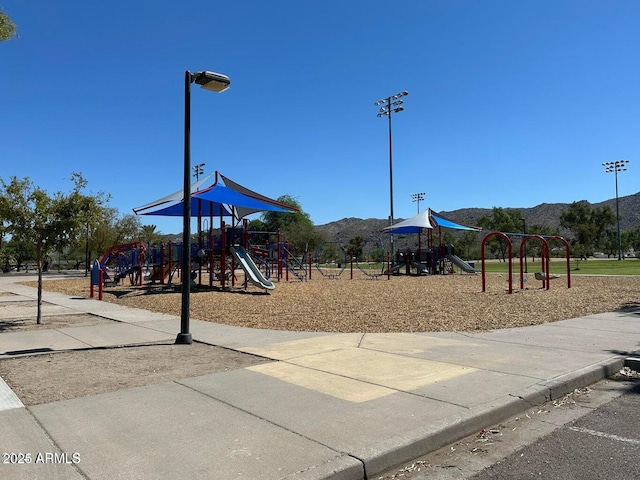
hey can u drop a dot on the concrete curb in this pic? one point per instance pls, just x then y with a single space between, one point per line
400 450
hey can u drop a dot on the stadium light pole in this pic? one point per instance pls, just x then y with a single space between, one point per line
214 82
417 197
524 231
198 170
615 167
387 106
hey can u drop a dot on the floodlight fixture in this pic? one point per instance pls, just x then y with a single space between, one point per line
417 197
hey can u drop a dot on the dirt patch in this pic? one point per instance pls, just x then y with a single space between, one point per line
61 376
52 321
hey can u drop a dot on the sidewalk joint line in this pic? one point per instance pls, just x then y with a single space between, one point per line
271 422
46 433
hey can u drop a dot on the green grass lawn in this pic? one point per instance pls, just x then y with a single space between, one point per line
630 266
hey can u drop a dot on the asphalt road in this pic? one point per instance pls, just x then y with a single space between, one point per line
593 433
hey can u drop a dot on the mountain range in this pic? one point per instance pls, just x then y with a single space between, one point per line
545 214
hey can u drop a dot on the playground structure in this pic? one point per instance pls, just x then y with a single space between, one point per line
217 253
274 255
215 258
126 260
429 258
212 256
544 276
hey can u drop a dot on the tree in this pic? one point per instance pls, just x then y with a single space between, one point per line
297 227
149 235
631 239
19 252
7 27
587 225
609 243
469 245
501 220
48 222
534 247
257 225
113 229
355 247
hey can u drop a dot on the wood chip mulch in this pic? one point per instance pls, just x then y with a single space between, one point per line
402 304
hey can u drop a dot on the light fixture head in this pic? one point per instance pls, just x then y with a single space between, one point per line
215 82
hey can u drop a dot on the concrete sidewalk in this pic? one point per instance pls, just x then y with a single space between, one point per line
340 406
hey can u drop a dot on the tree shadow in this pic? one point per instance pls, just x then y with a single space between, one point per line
8 325
630 307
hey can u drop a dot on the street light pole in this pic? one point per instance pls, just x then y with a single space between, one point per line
387 106
615 167
417 197
217 83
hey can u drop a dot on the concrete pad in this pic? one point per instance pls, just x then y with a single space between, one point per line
305 346
379 368
567 337
605 322
172 431
37 341
21 434
8 399
356 428
115 334
334 385
502 357
478 388
413 343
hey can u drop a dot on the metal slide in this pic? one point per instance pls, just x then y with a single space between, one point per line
250 268
421 267
464 266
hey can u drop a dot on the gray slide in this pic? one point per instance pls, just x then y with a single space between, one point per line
461 264
253 272
422 268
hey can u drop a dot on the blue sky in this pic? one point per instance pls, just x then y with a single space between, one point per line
511 103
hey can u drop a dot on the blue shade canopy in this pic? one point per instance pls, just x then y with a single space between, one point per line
443 222
202 208
225 195
426 219
174 197
217 200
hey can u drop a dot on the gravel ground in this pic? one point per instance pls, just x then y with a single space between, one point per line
402 304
